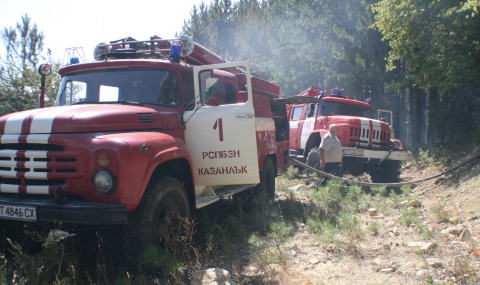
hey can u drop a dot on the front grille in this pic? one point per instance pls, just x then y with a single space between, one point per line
37 164
32 146
359 132
360 137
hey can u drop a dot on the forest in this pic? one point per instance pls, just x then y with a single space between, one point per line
418 58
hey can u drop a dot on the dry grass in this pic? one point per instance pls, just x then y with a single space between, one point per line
306 236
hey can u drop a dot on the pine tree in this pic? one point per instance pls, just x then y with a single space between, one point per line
19 80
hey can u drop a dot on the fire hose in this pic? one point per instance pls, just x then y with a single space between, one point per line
295 161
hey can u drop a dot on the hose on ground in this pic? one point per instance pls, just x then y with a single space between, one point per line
295 161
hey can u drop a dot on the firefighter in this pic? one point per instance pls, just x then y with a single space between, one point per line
330 154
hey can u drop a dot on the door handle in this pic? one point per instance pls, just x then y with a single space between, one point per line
249 115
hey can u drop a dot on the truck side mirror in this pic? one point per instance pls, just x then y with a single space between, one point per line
44 70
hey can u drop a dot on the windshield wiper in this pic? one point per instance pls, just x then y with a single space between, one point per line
130 103
85 102
110 102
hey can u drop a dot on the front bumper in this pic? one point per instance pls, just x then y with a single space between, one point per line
72 211
377 154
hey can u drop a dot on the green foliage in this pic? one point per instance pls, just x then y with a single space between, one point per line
406 189
281 232
19 79
441 213
3 269
159 259
314 223
323 229
291 172
348 44
379 191
315 45
410 217
262 205
438 45
353 198
374 228
431 156
329 197
268 251
52 263
350 225
435 51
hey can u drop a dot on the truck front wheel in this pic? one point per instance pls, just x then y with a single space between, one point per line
313 158
158 218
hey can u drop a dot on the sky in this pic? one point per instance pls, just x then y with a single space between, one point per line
86 23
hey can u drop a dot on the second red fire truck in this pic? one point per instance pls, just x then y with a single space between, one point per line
368 144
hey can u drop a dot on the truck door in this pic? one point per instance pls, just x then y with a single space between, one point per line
308 125
220 131
387 117
295 121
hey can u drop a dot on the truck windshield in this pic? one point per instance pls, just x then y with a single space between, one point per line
148 86
333 108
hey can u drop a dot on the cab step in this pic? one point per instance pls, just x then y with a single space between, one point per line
210 196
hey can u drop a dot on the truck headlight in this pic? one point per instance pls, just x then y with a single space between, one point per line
104 181
395 145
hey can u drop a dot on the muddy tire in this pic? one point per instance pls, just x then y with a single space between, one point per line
313 159
267 184
158 218
245 198
268 178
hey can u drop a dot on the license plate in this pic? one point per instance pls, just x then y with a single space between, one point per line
21 213
353 152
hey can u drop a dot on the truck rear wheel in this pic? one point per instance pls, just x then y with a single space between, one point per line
267 179
158 218
267 185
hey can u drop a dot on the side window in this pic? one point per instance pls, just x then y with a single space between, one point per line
169 90
311 110
219 93
74 91
188 90
216 92
229 90
327 109
297 113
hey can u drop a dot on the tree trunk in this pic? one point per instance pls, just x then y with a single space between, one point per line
432 98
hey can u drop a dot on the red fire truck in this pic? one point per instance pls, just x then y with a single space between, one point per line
146 133
368 145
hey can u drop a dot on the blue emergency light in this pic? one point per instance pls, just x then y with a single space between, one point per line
175 51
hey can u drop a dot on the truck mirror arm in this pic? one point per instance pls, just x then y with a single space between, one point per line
192 103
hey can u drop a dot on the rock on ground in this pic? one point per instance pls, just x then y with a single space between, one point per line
213 276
